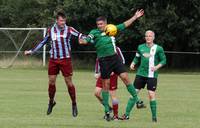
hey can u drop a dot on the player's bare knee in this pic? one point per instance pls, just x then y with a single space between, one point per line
97 94
126 81
113 97
124 78
52 81
68 82
152 98
137 91
106 88
152 95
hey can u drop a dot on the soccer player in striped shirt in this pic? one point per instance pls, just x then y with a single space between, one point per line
151 58
113 85
60 59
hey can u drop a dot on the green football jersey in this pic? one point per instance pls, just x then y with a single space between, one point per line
149 57
104 44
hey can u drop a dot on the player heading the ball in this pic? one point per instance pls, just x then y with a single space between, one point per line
109 61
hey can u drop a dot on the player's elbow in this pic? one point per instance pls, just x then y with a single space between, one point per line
126 24
163 62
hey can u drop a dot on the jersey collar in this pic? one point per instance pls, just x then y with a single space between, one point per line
56 25
148 46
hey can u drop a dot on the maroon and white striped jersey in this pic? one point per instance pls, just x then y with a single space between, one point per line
60 41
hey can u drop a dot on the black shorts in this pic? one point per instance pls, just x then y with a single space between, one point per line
111 64
141 81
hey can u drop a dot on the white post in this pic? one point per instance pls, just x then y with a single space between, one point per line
44 49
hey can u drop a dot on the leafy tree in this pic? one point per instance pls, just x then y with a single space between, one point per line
175 22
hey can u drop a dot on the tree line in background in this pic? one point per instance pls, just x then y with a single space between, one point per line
175 22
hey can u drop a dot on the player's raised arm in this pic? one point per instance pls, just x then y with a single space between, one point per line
38 46
137 15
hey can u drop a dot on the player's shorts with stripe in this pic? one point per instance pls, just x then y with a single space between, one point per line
111 64
113 82
141 81
63 65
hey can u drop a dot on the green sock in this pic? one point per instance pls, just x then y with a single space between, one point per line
132 91
153 108
130 105
105 96
131 101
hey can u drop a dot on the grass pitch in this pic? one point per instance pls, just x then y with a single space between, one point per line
24 99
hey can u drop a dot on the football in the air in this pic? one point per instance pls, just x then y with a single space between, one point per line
111 30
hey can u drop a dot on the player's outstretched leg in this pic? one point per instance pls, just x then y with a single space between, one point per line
72 94
131 89
51 92
129 107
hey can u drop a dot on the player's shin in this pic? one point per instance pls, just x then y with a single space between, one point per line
72 93
139 99
130 105
51 92
132 91
105 96
132 100
153 106
115 103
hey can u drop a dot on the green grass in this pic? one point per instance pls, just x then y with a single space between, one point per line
23 102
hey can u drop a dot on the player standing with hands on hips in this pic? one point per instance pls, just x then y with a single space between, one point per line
151 57
109 61
60 59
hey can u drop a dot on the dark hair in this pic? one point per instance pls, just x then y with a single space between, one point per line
60 14
101 18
